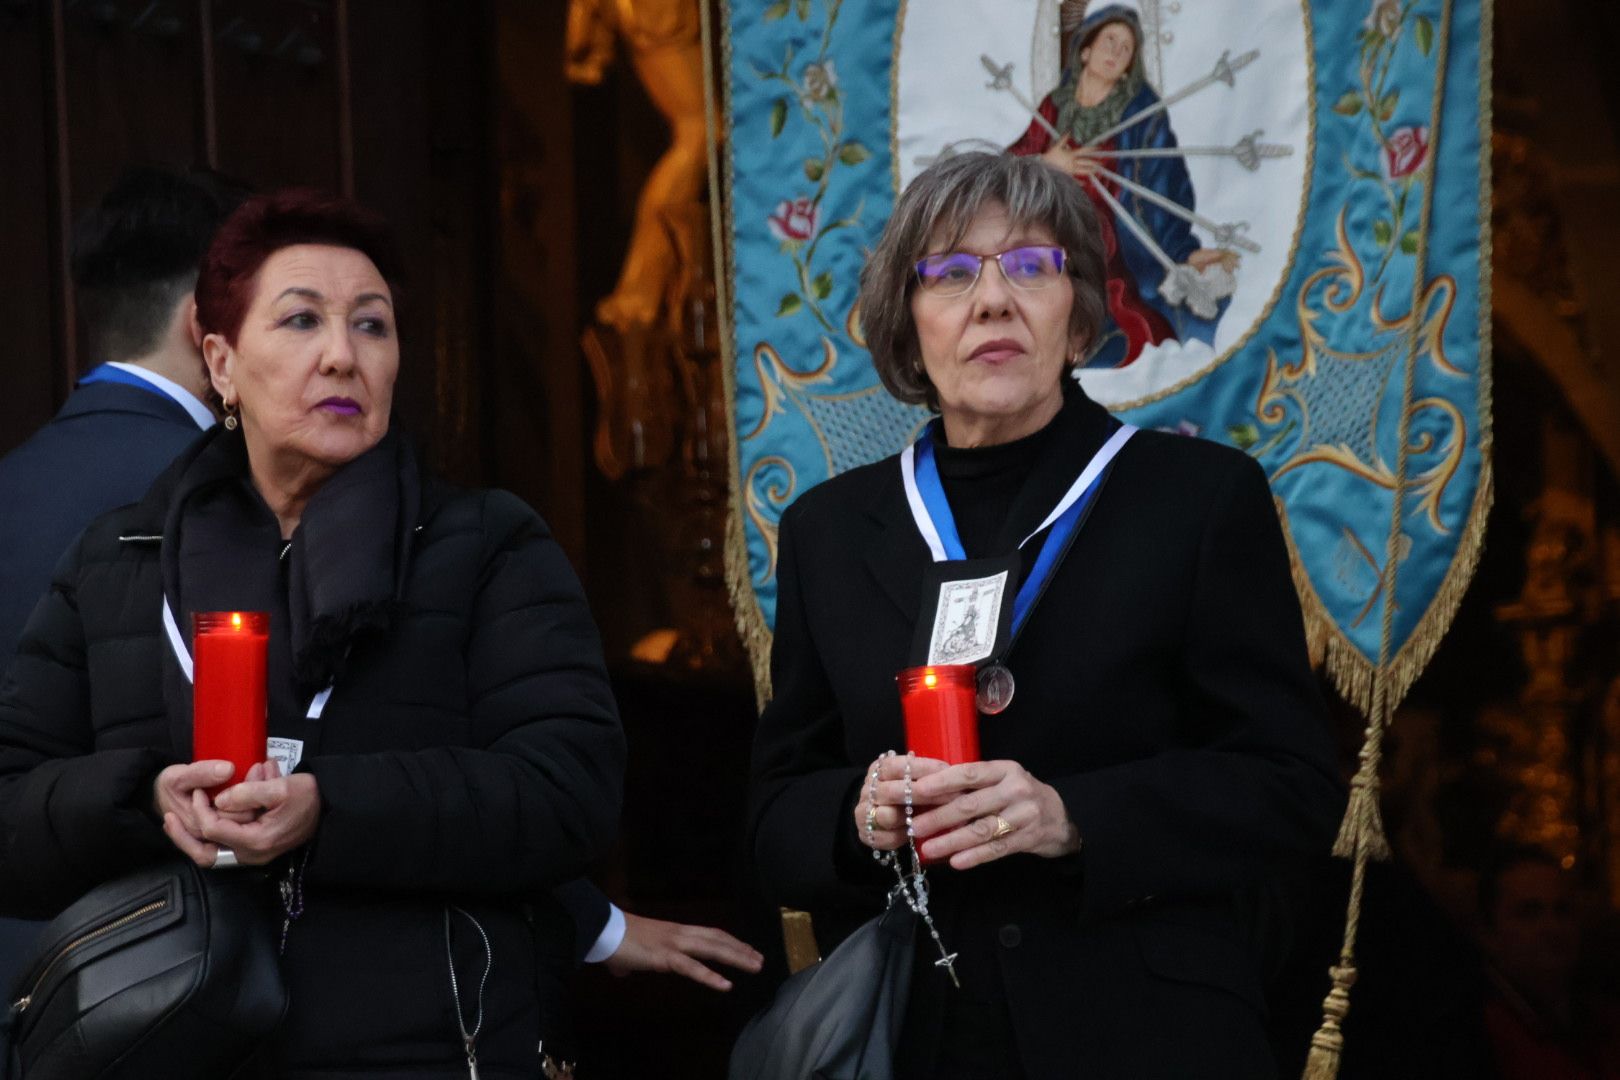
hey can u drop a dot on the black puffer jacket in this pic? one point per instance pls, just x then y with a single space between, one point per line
471 754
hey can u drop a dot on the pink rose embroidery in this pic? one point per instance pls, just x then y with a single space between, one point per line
794 221
1385 17
820 80
1406 151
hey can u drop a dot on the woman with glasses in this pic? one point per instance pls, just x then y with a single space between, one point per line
1153 743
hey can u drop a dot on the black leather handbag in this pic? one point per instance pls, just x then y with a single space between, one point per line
838 1019
169 972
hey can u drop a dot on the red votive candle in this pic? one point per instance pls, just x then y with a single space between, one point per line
228 652
942 714
942 718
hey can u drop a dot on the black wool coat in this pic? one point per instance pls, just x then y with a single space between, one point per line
1164 691
469 754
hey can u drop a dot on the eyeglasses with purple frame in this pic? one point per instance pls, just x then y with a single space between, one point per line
952 273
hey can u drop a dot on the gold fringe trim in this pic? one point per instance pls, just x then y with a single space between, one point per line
1350 672
756 636
751 627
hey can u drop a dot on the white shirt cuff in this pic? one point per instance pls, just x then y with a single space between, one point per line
611 937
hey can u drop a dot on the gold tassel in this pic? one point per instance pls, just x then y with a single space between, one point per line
1361 834
1363 824
1327 1045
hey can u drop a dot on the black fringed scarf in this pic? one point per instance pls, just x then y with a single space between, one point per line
335 583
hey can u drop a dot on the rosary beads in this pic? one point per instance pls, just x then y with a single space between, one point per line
914 886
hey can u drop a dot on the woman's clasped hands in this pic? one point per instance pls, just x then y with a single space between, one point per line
259 820
971 814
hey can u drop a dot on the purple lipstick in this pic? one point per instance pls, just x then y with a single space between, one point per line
341 406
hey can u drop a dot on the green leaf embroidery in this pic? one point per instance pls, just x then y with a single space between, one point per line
1386 107
822 286
1409 243
778 116
1382 231
1243 436
790 303
776 10
853 153
813 168
1425 34
1349 104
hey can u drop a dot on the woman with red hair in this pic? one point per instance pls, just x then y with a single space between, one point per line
448 745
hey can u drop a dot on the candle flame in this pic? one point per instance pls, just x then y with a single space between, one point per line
236 620
930 680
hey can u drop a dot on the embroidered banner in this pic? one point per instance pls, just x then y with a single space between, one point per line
1298 202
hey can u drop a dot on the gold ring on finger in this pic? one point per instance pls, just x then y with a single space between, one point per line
1003 827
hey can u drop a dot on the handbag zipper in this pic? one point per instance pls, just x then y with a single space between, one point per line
23 1002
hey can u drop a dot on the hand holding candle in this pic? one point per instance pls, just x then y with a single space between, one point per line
942 729
883 798
259 820
229 652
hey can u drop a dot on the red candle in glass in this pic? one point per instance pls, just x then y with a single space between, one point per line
942 716
228 652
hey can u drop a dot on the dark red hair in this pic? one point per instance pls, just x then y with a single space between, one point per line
265 224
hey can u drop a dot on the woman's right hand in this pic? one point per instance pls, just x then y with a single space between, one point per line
178 787
883 803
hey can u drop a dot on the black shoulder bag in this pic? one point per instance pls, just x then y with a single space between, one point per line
171 971
838 1019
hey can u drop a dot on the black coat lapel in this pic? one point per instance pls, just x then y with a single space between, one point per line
897 555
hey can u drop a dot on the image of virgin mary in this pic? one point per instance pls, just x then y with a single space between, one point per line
1102 87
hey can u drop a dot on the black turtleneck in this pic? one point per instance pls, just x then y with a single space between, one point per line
981 483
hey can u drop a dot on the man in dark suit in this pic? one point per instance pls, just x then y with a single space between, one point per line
135 257
134 264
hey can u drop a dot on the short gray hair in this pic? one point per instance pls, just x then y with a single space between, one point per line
934 213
